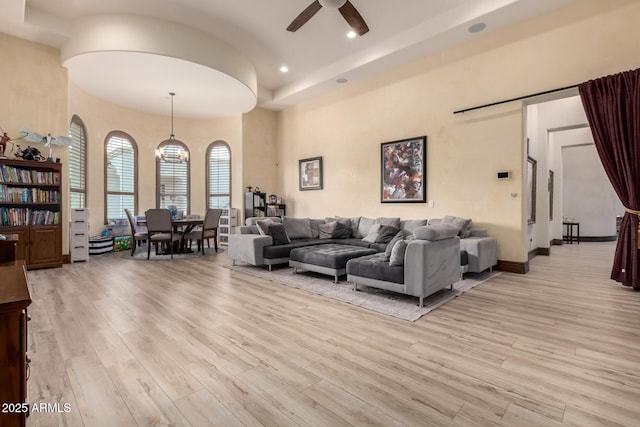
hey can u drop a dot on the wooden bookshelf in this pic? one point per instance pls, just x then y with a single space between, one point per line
31 207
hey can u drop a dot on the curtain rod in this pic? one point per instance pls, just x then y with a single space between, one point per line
515 99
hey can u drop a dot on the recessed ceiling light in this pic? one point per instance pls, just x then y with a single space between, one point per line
351 34
476 28
341 80
284 69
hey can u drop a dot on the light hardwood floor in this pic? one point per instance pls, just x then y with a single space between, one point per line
137 343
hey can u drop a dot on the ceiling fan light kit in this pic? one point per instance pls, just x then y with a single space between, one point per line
347 10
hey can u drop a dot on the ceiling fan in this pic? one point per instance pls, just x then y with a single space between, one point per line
348 11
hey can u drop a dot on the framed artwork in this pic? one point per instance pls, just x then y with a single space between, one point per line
310 173
403 171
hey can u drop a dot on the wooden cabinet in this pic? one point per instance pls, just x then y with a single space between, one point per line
8 248
14 300
255 204
31 207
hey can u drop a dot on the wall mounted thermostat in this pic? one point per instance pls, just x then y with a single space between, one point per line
504 175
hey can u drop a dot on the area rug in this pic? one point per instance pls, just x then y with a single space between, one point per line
390 303
141 254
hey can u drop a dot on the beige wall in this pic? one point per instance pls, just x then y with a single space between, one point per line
585 40
33 90
259 156
149 130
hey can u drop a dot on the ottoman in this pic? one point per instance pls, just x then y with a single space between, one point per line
330 259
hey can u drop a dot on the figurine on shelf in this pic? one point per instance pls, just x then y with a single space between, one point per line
256 190
4 139
48 140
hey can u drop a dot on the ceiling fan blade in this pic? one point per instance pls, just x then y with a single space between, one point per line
353 18
306 14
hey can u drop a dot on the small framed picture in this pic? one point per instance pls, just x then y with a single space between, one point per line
310 173
403 171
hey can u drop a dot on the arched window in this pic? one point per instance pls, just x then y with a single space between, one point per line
77 164
120 175
172 175
218 175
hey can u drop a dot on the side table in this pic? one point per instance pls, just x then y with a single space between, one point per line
569 235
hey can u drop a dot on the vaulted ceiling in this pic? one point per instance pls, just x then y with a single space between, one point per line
224 57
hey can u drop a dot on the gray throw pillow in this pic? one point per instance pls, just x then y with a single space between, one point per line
372 235
387 253
343 221
436 232
354 221
341 232
364 225
278 234
397 253
263 225
325 231
463 224
386 233
297 228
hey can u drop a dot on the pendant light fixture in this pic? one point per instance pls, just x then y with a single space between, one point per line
181 156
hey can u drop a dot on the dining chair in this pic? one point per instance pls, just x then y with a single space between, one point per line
137 234
208 230
160 229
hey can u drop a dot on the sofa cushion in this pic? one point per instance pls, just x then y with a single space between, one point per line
364 225
387 232
279 234
372 235
394 222
297 228
379 247
263 225
408 225
375 267
315 223
397 253
463 224
436 232
325 231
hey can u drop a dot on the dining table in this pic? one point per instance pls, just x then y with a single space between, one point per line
180 225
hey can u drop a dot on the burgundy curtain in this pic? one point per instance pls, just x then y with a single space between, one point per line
612 105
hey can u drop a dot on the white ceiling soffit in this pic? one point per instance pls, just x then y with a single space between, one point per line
139 58
218 54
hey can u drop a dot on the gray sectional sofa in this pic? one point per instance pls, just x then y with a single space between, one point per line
434 253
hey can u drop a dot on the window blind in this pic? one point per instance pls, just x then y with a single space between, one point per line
77 164
218 176
120 177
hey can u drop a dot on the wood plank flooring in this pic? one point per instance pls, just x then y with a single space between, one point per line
191 343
